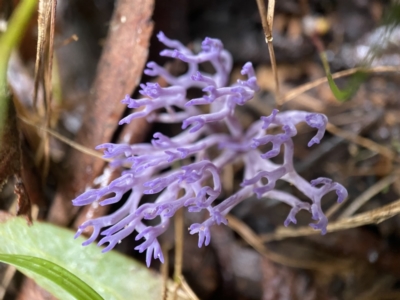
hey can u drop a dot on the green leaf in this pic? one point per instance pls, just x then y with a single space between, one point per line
356 80
8 41
112 275
64 279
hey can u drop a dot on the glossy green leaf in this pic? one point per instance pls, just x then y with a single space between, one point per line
112 275
58 275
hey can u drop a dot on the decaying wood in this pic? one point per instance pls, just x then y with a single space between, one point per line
119 72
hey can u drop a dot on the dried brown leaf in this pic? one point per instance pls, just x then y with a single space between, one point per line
43 74
257 243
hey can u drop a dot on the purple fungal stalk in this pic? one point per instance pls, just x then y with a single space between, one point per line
197 185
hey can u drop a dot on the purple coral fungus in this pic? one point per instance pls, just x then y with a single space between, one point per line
187 186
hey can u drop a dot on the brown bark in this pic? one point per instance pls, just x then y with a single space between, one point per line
119 72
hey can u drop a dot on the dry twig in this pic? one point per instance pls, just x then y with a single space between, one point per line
267 19
178 251
375 216
67 141
257 243
368 194
363 198
367 143
164 273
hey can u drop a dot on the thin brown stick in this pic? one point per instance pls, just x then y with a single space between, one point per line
42 26
164 274
270 16
188 290
228 179
267 19
367 143
255 241
275 72
363 198
367 195
67 41
264 20
43 75
49 72
181 293
178 251
178 245
48 85
375 216
67 141
180 282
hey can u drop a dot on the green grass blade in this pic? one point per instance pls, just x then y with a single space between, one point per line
58 275
356 80
8 41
